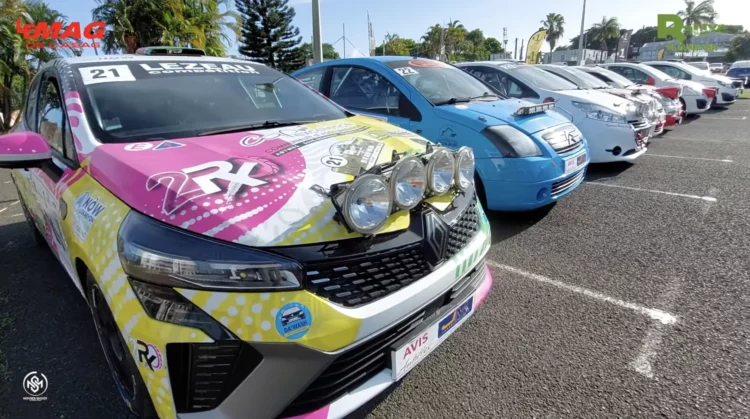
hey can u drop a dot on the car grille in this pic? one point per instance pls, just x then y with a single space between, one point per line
639 124
563 139
204 374
567 184
353 282
463 229
702 103
727 97
359 364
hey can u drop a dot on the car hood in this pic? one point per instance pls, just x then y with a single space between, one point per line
738 71
629 94
481 114
722 78
596 97
255 188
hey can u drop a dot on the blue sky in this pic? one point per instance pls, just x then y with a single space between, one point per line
411 18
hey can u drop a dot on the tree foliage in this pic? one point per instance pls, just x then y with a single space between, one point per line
554 24
329 52
739 49
698 14
268 35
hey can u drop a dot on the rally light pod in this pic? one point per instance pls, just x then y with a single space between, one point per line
533 109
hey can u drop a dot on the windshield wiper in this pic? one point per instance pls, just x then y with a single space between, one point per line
453 100
251 127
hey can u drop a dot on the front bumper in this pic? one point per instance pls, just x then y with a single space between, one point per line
294 380
525 184
262 371
696 104
726 96
614 142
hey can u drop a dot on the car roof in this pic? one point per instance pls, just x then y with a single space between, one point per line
139 57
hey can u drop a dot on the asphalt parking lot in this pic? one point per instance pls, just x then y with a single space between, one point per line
628 299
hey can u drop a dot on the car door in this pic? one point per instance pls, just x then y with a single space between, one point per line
367 92
44 184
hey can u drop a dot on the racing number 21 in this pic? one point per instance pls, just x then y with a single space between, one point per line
106 74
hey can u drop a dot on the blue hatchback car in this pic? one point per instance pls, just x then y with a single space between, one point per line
527 156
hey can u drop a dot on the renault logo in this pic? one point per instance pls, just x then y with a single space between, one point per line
436 237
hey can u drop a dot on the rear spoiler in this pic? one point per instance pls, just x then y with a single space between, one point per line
530 110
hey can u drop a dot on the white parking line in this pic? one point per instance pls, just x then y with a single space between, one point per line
655 314
705 198
689 158
701 140
655 333
724 117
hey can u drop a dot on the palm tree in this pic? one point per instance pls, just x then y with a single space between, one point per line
700 14
389 37
554 26
431 41
603 32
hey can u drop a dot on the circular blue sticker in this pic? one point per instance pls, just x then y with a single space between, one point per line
293 321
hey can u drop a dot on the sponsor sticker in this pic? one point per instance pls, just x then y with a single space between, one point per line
359 152
334 161
86 210
105 74
147 354
139 147
174 67
164 145
293 321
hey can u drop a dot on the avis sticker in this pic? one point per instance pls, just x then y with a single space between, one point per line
405 71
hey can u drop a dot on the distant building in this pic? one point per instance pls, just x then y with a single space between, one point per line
573 56
710 47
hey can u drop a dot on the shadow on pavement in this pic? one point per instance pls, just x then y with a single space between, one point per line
505 225
48 329
601 171
370 406
690 119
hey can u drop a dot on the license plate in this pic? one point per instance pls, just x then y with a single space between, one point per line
574 163
413 352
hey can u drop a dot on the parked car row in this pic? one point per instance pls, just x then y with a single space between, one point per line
251 242
533 128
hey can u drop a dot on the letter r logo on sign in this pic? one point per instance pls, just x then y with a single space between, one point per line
675 31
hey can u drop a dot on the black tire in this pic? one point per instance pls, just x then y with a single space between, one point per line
116 351
35 234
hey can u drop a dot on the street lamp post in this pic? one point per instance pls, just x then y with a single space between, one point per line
317 45
580 37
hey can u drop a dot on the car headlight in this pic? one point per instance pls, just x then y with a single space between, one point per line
464 168
599 113
440 171
511 142
159 254
408 181
367 204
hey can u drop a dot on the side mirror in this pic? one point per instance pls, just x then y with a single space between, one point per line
20 150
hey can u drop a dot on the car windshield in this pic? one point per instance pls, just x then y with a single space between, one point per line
585 80
653 72
442 83
617 79
741 64
538 77
169 99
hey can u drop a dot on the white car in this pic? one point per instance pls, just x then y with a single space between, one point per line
609 123
700 65
716 67
668 97
696 97
726 92
647 106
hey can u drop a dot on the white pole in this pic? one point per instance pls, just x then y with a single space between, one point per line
580 37
317 40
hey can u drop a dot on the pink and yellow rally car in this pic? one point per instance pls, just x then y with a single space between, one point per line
247 247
